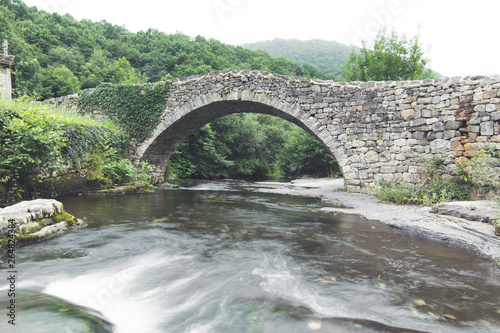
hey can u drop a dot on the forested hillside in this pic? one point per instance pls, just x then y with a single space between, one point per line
328 56
57 55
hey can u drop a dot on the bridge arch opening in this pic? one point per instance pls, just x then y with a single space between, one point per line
176 128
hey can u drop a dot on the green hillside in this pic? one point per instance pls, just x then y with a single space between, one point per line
327 56
57 55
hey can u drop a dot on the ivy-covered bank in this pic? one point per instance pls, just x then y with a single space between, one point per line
47 152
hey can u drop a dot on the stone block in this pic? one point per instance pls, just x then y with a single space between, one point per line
471 153
495 138
461 160
371 156
472 129
471 146
452 125
408 114
495 115
480 108
478 96
424 100
488 94
438 127
487 128
491 107
457 145
358 143
387 169
426 113
440 146
447 135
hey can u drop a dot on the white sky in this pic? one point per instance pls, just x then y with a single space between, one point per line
462 37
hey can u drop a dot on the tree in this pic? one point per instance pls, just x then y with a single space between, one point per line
198 158
393 57
305 155
29 78
123 72
59 81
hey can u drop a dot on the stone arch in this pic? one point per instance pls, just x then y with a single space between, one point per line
178 124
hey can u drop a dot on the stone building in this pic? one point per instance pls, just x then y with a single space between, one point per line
6 73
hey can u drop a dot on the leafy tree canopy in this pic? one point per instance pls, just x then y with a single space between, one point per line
393 57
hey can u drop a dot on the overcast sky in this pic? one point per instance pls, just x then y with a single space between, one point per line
462 37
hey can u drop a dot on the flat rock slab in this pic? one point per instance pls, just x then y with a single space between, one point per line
481 211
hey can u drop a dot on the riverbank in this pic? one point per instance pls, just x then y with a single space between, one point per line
466 230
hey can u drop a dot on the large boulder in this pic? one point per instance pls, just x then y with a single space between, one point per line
35 219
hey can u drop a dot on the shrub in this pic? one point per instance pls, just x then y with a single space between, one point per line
395 192
434 189
484 170
119 172
31 140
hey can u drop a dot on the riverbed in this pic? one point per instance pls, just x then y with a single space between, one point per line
234 257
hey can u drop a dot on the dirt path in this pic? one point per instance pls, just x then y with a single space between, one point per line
479 237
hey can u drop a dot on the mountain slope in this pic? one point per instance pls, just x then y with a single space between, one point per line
327 56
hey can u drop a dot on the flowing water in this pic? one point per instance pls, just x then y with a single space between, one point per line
226 257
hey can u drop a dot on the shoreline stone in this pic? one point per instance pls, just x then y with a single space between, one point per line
35 220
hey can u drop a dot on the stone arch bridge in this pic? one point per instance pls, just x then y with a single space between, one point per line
376 130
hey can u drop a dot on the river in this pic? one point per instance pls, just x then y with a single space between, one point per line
227 257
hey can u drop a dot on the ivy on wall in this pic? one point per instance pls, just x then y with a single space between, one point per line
81 140
137 108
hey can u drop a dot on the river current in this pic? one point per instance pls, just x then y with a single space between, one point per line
227 257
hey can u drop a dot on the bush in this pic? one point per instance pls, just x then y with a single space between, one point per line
484 171
30 145
119 172
395 192
433 190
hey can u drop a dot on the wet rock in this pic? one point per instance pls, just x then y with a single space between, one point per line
34 220
37 312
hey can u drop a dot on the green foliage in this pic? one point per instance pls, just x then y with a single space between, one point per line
124 73
37 142
305 155
251 146
395 192
198 158
30 144
393 57
436 188
28 78
137 108
59 81
483 170
119 171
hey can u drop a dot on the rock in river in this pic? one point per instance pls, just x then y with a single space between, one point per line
34 220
